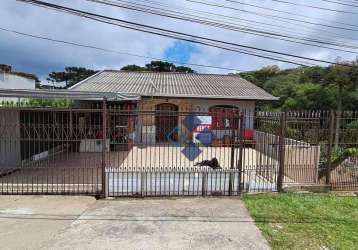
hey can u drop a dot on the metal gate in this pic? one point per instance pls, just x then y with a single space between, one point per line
50 151
139 163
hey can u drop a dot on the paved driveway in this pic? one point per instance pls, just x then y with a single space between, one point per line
196 223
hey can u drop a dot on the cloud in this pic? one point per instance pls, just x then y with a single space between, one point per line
41 57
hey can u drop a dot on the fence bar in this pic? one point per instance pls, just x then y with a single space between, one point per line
232 155
104 138
281 153
241 151
330 147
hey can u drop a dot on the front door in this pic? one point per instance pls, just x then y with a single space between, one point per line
166 120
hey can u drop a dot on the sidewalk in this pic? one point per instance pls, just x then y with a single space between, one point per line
83 223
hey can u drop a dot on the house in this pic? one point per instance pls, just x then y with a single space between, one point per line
14 80
124 122
9 80
170 97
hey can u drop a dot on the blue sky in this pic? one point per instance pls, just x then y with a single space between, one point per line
41 57
180 51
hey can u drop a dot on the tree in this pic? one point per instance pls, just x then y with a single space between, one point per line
308 88
71 75
259 77
159 66
343 77
133 67
184 69
337 159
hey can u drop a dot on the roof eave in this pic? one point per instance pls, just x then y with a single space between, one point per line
67 94
252 98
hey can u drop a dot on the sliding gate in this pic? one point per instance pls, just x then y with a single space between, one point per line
110 152
170 153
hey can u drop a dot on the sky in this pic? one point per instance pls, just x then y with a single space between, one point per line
42 57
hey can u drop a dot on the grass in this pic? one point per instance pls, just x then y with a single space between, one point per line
306 221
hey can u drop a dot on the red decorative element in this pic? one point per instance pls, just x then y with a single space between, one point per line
224 117
248 134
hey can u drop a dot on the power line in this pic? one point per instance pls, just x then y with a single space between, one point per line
167 33
261 14
281 27
340 3
316 7
230 46
208 22
290 13
113 51
297 27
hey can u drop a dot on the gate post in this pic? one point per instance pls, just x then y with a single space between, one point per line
241 151
281 153
232 160
204 183
329 147
104 139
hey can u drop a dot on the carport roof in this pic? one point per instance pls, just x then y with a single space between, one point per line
66 94
165 84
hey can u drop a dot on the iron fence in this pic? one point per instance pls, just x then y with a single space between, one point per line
41 152
116 151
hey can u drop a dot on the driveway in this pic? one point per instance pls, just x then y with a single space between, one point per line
82 223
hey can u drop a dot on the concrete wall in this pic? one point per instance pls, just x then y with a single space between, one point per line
10 150
9 81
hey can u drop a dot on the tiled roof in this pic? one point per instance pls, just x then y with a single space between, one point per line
173 85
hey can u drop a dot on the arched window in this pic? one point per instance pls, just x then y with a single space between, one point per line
224 116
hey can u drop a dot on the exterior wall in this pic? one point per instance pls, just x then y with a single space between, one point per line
247 106
146 123
10 150
9 81
145 130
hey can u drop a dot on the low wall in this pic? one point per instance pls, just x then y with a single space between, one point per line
301 159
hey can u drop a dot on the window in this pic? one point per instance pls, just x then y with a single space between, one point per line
224 116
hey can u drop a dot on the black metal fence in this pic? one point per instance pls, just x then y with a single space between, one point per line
109 151
41 151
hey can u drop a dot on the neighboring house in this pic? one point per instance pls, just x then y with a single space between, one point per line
182 92
14 80
10 152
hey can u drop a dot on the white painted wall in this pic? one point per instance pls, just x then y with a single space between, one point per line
10 152
10 81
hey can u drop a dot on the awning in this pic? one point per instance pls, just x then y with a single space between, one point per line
66 94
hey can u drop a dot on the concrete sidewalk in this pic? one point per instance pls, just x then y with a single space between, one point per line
27 222
195 223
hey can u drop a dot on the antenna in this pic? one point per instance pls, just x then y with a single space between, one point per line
153 87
